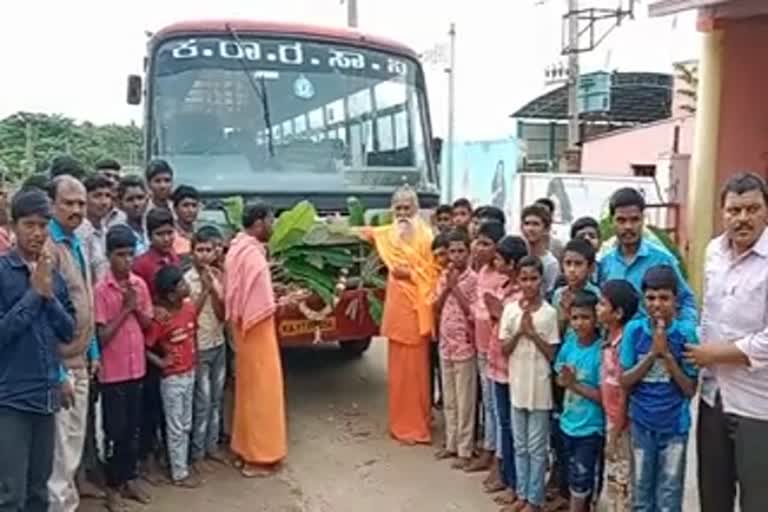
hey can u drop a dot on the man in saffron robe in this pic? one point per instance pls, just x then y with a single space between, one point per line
405 247
258 427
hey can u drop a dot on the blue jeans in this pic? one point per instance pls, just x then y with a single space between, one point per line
530 430
584 456
504 432
659 470
209 393
178 393
489 407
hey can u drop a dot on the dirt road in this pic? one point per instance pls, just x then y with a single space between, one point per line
340 455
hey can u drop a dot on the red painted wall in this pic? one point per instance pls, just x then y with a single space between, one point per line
744 105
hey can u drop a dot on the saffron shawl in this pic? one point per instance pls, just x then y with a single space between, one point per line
248 294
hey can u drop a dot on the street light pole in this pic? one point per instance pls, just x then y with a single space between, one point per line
573 73
451 108
352 13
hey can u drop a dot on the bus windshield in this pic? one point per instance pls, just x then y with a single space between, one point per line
236 114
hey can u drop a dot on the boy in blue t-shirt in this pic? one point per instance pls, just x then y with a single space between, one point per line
660 384
582 422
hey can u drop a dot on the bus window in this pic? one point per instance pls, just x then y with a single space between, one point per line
300 124
385 135
316 119
334 111
360 104
390 94
401 130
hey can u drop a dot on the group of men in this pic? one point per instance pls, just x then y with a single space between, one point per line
110 293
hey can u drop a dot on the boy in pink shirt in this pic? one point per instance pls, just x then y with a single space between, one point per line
618 304
123 311
456 292
509 251
488 280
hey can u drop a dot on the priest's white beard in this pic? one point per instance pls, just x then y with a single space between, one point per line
404 228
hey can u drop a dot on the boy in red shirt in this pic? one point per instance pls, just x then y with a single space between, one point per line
123 311
161 231
618 305
174 344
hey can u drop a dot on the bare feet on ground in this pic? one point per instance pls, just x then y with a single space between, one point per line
445 454
508 497
134 490
481 463
218 457
88 489
191 482
115 502
461 463
258 471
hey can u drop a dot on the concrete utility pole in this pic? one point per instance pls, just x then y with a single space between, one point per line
573 73
451 107
351 13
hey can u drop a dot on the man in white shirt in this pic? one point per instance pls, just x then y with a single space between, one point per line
733 411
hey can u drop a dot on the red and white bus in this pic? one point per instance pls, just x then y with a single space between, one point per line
286 112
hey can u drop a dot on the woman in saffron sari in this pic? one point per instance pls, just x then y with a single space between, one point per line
258 427
405 247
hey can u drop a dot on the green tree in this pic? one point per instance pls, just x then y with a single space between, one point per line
28 141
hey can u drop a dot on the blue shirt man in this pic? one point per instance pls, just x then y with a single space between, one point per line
615 266
633 255
59 235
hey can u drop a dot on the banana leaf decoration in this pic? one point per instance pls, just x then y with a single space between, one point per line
318 255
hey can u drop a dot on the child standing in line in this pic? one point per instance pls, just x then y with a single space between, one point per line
440 253
488 279
161 231
457 292
530 336
186 208
444 218
582 422
123 311
461 214
660 384
175 338
578 266
618 304
206 290
587 229
509 251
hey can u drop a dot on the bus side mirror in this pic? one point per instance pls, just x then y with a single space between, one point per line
437 149
133 93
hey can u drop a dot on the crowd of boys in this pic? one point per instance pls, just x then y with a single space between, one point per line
568 379
108 275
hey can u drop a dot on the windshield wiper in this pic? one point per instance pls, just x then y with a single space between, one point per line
260 91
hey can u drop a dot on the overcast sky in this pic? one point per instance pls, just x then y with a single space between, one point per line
72 56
